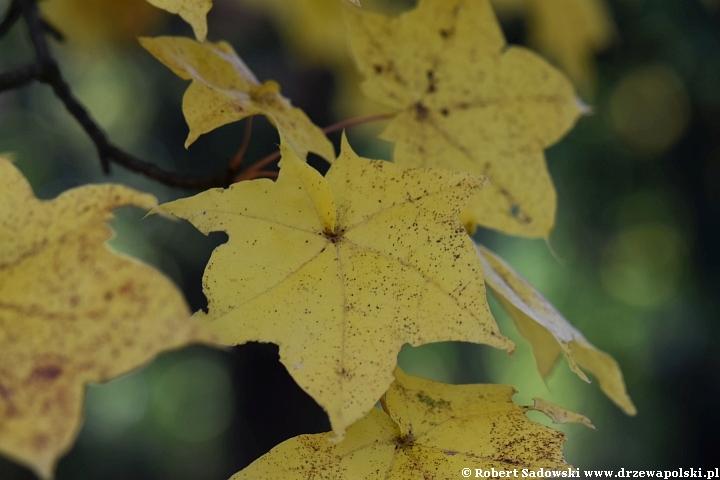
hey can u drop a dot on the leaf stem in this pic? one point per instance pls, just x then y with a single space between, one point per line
255 170
384 405
351 122
236 162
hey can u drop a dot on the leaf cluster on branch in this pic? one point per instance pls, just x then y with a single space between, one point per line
339 270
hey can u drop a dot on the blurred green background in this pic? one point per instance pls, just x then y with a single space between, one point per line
634 261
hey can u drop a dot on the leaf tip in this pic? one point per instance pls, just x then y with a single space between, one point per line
558 414
160 210
344 143
145 41
630 410
585 109
192 136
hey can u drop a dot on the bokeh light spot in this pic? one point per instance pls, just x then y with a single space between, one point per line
643 265
192 400
112 408
650 109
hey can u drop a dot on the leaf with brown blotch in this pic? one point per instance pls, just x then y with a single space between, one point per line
340 271
468 102
549 333
224 90
193 12
72 311
434 430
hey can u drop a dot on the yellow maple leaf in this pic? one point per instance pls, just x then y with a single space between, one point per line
549 333
224 90
567 31
468 102
72 311
193 12
435 431
342 270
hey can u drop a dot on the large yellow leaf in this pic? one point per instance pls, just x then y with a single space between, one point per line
468 102
193 12
224 90
567 31
341 271
71 312
436 431
549 333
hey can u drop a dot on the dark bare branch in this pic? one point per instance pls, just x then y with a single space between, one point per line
46 70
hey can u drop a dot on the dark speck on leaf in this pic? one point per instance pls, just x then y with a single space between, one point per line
422 111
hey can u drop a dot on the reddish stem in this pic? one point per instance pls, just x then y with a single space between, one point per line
351 122
252 172
384 405
255 170
262 174
236 162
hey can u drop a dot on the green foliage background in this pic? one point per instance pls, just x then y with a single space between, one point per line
636 244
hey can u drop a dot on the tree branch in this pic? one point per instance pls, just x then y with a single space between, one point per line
11 16
19 77
46 70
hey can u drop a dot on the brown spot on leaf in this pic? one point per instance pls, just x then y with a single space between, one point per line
40 441
421 111
45 373
6 395
432 81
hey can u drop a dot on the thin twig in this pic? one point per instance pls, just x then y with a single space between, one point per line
351 122
19 77
254 169
384 405
262 174
52 31
236 162
46 70
11 16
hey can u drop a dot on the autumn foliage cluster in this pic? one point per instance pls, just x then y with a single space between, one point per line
339 270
